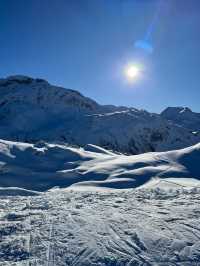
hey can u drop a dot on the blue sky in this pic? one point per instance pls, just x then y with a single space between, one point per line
85 45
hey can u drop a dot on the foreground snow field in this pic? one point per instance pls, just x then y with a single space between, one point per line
118 227
62 205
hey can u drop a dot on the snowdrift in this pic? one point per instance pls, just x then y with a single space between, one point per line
41 166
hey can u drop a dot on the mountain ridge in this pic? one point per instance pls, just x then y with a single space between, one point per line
32 110
183 116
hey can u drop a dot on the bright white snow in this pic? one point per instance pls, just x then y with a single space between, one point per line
111 209
118 227
43 166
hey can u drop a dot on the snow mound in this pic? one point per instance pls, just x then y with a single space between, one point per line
14 191
41 167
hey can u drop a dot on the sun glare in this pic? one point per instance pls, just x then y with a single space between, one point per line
132 72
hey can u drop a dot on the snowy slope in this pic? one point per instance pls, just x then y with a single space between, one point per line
87 222
43 166
183 116
32 109
86 228
62 204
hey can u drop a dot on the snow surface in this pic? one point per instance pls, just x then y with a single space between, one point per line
111 209
63 204
44 165
90 228
32 110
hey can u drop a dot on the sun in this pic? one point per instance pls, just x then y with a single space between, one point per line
132 72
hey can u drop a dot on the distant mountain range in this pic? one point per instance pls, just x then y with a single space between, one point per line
32 110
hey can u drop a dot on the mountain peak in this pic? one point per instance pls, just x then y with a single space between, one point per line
20 80
183 116
36 92
32 110
176 110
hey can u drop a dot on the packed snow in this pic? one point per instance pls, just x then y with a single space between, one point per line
93 228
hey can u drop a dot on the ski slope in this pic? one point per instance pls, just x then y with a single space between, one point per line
63 205
94 228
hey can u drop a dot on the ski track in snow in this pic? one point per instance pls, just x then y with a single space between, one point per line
72 227
90 220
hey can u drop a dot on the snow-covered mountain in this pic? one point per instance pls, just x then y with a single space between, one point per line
183 116
61 204
42 166
33 110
